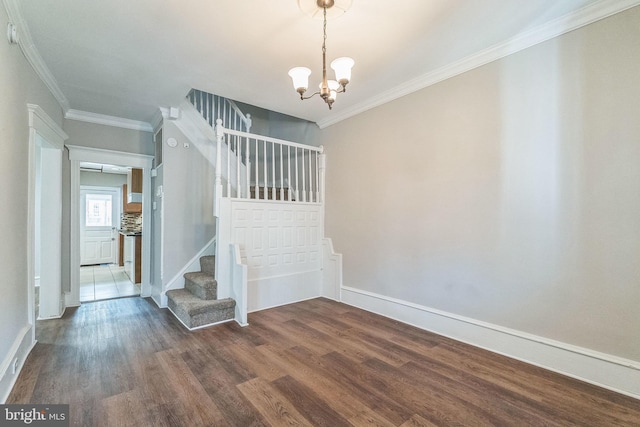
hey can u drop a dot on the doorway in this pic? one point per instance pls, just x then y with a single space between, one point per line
107 278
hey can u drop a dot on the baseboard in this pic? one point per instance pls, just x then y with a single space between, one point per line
70 301
19 350
601 369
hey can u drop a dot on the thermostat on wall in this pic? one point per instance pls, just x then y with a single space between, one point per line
172 142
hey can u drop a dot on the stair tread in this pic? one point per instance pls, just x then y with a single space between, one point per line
194 305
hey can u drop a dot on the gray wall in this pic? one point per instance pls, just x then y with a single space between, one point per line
508 194
19 85
94 136
102 179
281 126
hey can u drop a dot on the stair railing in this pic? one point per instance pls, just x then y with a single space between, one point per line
213 107
268 168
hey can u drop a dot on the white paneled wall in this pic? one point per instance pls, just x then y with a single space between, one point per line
278 239
281 243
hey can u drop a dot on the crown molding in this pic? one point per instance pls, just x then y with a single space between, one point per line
156 120
31 53
584 16
103 119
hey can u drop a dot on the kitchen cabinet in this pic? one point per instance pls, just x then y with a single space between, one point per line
121 250
126 206
134 180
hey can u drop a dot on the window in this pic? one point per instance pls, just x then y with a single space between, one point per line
98 212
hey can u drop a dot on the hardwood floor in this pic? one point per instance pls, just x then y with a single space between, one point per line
125 362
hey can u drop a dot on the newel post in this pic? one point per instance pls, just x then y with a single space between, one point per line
322 167
249 123
218 189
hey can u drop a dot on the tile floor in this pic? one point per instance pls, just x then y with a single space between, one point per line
105 281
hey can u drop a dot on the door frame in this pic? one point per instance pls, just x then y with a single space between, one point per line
79 154
117 207
46 138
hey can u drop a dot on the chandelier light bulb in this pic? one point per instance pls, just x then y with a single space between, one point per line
342 68
300 78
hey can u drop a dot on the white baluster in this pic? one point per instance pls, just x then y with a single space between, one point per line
297 182
238 157
228 174
247 163
310 179
266 179
207 111
304 178
317 178
289 172
273 171
256 186
322 170
281 177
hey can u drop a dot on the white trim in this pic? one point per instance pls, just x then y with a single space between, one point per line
331 270
584 16
608 371
46 126
31 52
20 349
41 124
156 122
57 316
79 154
103 119
201 326
99 155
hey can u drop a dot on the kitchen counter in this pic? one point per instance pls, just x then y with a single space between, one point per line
129 232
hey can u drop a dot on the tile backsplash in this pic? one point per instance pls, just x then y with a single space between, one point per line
131 221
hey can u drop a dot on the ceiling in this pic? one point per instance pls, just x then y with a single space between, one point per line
126 58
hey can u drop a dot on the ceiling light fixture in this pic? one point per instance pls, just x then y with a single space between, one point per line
329 89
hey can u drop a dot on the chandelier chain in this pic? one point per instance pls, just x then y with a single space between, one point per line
324 30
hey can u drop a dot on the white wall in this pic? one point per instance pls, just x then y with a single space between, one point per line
508 194
19 85
188 181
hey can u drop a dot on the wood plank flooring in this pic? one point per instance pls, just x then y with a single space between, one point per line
126 362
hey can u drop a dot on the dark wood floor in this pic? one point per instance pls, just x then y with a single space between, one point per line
317 363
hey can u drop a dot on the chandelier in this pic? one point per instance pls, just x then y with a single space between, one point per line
329 89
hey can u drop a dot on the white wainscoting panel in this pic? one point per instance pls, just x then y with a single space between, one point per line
281 244
277 239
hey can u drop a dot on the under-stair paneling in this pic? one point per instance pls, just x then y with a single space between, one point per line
281 244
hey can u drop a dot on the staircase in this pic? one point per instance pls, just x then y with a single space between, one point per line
197 305
248 168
